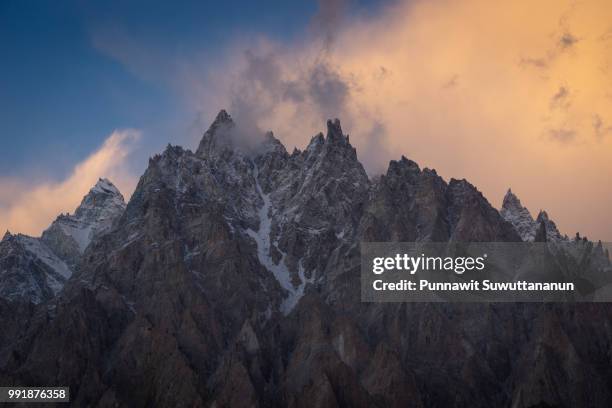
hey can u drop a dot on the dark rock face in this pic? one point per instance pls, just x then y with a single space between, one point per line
552 233
232 279
29 271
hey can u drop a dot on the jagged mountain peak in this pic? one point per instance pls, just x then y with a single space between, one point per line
102 195
7 235
402 166
272 144
105 186
316 143
510 199
513 211
218 137
466 191
472 217
69 235
334 132
552 232
223 117
543 216
463 185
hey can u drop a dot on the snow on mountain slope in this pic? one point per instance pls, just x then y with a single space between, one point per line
29 270
278 269
513 211
69 235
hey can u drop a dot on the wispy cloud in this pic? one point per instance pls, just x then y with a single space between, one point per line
30 207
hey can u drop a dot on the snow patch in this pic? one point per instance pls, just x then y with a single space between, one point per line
80 233
280 270
43 253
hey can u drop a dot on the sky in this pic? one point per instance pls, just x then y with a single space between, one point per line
505 95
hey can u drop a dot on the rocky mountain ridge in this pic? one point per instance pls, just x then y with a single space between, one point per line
231 279
513 211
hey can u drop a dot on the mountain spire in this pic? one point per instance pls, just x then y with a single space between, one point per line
552 233
217 137
513 211
334 132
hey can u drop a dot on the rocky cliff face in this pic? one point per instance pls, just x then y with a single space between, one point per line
29 270
232 279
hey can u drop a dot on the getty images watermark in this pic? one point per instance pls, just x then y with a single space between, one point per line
569 271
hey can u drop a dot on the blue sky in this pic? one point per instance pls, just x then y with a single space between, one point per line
63 90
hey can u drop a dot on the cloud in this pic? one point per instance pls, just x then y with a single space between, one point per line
29 208
507 121
562 135
601 129
560 100
328 20
514 94
567 40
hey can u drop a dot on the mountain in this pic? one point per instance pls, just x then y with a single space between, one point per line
69 235
36 269
513 211
232 279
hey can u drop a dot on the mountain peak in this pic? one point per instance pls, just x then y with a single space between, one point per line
102 194
511 201
223 117
105 186
510 195
315 143
402 167
334 132
272 144
513 211
218 136
69 235
7 235
552 232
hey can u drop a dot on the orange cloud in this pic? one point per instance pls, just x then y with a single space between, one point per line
29 209
504 94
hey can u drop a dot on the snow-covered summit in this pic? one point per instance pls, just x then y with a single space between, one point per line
69 235
513 211
104 186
